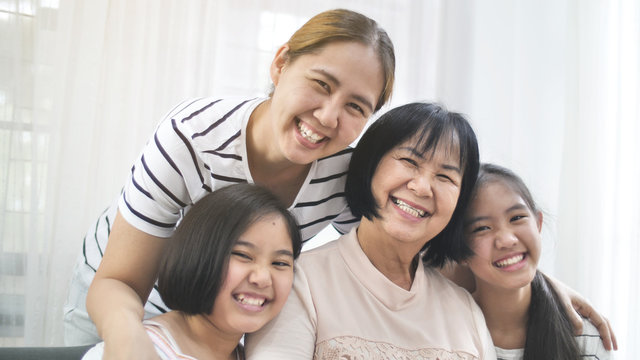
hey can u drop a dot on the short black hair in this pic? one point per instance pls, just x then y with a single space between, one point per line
432 125
194 264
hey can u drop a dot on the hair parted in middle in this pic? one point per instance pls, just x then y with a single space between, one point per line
194 264
433 127
549 330
345 25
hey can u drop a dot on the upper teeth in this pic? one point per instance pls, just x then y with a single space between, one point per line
510 261
308 133
250 300
409 209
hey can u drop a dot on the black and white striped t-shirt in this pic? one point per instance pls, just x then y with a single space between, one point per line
199 147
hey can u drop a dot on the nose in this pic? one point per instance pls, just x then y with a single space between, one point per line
505 239
420 185
260 276
328 113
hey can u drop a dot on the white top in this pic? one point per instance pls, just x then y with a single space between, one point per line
199 147
589 343
163 342
342 307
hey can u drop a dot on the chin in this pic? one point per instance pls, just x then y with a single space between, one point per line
302 157
251 327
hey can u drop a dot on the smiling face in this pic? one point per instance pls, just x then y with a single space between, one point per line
504 235
322 100
259 278
416 193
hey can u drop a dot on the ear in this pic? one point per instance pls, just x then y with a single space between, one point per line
539 220
278 63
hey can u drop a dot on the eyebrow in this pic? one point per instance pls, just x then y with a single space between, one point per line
252 246
452 167
517 206
421 156
337 82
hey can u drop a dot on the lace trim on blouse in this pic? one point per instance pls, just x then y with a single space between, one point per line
355 348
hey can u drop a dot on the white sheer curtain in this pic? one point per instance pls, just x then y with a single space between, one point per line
552 90
550 86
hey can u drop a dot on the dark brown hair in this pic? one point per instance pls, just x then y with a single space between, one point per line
194 264
549 332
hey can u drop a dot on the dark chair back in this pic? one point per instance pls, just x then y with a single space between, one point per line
44 353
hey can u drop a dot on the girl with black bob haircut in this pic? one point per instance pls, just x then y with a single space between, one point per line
397 126
194 265
227 271
503 225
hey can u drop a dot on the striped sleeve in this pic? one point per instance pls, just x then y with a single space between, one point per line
169 174
345 220
590 344
323 200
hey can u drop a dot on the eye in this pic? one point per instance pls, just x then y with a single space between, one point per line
241 255
323 85
283 264
357 108
445 177
479 229
409 161
517 217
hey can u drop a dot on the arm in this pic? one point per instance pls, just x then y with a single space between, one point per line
291 334
576 306
120 288
460 275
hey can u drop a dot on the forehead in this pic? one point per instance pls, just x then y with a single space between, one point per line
443 148
352 63
268 232
495 196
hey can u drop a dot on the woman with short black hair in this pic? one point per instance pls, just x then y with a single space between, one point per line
374 293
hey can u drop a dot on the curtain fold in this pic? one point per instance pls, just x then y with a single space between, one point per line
600 201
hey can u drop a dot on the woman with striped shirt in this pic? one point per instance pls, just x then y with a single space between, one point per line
329 78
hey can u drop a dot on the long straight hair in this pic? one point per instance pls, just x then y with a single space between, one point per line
549 331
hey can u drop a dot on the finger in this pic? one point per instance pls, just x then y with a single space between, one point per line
605 334
614 341
575 319
602 324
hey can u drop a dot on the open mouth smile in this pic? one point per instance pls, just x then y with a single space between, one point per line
509 261
409 209
308 133
245 299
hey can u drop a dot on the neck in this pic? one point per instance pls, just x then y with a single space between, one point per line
262 149
395 260
268 166
506 312
199 337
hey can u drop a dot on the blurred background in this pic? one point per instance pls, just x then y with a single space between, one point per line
550 86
